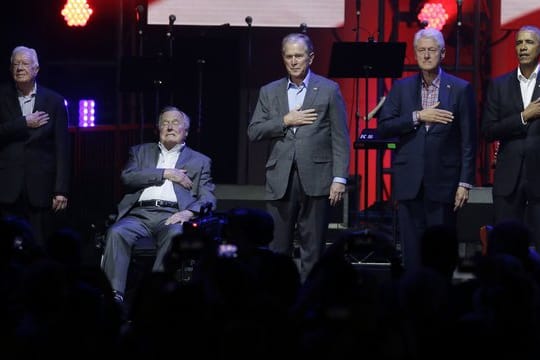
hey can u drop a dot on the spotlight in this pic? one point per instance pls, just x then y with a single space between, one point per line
76 12
434 14
87 113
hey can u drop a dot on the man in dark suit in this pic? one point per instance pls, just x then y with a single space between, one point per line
167 183
303 117
510 116
433 115
34 147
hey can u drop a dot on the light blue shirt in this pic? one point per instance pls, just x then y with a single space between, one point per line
297 93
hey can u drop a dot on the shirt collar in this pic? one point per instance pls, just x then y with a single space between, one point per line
534 74
176 148
32 93
436 82
304 83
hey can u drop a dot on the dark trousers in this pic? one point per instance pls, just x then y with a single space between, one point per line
414 217
521 207
306 216
41 219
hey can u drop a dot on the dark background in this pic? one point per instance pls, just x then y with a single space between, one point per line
214 74
132 70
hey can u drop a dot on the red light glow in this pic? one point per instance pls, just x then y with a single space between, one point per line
76 12
434 14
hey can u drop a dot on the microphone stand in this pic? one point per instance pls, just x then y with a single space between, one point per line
170 37
458 31
140 42
200 71
249 22
356 202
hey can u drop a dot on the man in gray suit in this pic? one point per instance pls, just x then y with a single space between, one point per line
303 117
167 184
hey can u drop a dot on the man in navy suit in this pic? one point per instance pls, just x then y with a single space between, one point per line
510 116
167 183
304 119
34 147
434 116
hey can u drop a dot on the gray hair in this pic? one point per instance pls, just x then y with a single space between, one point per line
429 33
29 51
296 37
530 28
185 118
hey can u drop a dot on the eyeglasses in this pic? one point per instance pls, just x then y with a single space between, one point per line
430 51
24 65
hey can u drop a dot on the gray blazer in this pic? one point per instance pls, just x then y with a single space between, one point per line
140 172
321 150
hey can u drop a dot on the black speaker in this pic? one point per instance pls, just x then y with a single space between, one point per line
231 196
476 213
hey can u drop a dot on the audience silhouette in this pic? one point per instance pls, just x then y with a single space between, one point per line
245 300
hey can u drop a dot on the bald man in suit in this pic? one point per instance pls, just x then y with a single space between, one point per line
167 183
303 117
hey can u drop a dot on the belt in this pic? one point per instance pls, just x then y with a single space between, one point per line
158 203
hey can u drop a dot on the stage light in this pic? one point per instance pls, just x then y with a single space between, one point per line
76 12
434 14
87 113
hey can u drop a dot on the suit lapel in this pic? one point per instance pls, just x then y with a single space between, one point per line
40 100
182 157
416 92
184 197
311 92
536 92
515 93
283 101
445 91
13 103
152 157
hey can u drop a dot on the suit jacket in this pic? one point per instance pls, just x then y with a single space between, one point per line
140 172
518 143
440 158
33 160
321 150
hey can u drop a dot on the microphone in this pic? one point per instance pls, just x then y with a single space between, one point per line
358 7
303 28
423 24
249 20
172 19
459 20
139 11
376 109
